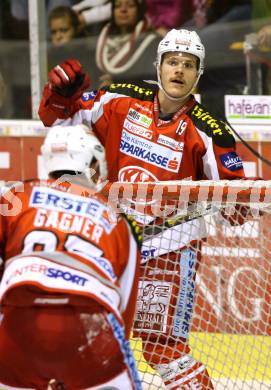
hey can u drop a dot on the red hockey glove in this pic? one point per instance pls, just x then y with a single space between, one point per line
68 79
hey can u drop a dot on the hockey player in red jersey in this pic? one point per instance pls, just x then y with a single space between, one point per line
156 134
70 277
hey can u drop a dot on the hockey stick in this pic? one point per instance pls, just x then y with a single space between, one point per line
246 193
152 229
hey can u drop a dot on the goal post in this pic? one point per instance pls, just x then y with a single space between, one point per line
231 318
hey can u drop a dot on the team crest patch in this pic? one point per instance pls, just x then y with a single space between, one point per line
231 161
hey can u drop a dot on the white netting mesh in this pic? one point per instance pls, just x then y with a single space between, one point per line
231 319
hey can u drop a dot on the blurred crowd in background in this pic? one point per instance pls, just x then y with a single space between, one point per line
116 40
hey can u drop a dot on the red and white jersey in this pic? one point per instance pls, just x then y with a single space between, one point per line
60 238
139 146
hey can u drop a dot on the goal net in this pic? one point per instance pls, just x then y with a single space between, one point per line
222 300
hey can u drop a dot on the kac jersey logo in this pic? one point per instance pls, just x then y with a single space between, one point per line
136 174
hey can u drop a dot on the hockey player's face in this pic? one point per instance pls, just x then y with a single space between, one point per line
178 73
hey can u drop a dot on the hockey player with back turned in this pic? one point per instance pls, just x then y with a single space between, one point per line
156 134
70 281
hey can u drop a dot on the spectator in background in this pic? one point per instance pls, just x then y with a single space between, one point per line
162 15
92 13
123 41
63 25
199 14
165 15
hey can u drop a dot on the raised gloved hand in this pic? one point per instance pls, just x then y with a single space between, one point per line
68 79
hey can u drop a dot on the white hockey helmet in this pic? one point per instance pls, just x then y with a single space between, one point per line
67 148
183 41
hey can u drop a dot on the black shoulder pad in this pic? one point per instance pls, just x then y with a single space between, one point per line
132 90
136 229
217 129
